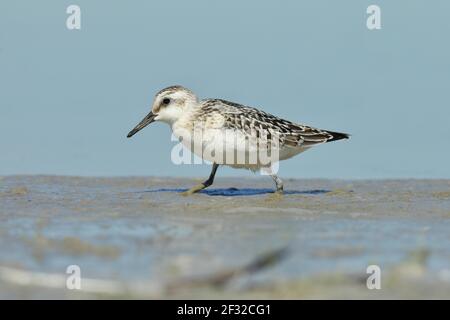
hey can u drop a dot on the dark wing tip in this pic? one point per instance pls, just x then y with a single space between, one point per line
338 136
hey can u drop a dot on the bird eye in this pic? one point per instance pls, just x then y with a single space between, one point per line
166 101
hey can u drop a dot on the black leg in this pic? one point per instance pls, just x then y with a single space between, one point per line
210 180
203 185
278 182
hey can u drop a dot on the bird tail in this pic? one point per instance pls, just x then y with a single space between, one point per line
338 136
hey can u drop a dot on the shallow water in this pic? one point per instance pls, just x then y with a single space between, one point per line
141 233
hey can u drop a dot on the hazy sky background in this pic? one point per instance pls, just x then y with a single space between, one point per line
68 98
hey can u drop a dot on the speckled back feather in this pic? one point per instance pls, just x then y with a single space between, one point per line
246 119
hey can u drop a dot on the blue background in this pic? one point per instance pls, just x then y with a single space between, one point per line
68 98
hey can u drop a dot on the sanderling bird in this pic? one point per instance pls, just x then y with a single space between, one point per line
185 113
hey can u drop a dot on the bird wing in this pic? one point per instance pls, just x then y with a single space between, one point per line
248 119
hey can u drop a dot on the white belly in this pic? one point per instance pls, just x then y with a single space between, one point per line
233 148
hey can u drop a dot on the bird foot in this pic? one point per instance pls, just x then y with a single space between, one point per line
193 190
276 196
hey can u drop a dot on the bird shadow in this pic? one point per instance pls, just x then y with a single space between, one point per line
233 192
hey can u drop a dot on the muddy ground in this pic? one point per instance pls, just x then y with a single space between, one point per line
139 238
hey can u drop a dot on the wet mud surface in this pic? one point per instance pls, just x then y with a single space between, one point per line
139 238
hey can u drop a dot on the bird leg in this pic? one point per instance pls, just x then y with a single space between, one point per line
203 185
278 182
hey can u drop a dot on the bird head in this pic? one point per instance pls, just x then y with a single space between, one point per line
168 106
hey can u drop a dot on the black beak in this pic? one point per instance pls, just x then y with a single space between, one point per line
145 122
